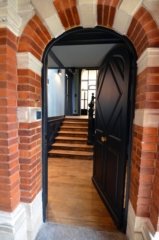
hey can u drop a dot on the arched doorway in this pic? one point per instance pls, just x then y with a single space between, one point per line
80 36
31 38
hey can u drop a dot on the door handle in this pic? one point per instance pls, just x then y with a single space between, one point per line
103 139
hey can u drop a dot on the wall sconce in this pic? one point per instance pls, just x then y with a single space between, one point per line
59 72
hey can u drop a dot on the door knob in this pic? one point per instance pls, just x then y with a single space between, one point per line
103 139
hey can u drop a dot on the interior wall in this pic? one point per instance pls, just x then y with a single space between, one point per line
56 93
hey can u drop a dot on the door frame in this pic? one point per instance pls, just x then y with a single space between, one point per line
86 36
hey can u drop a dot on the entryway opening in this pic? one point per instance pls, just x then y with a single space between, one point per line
76 71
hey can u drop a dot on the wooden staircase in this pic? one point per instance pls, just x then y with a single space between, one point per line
71 141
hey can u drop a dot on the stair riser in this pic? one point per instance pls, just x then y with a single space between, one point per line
70 156
71 148
76 120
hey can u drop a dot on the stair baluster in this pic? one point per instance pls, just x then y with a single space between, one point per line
91 121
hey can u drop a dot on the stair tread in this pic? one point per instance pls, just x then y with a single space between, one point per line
71 142
74 127
81 132
70 138
75 122
66 158
72 145
81 153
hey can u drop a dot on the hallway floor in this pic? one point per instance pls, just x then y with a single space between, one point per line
72 198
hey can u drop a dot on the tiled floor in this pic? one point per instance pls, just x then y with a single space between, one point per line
51 231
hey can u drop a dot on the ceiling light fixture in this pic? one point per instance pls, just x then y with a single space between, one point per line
59 72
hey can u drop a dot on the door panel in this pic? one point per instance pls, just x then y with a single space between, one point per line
112 130
98 171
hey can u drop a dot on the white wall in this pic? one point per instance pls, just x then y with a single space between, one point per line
56 93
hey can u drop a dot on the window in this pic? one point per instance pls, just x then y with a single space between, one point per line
88 86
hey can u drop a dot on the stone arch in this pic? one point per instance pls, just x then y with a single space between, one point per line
143 32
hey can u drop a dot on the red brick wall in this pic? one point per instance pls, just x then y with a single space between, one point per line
29 94
30 160
154 208
9 162
29 88
144 33
143 194
147 89
143 167
34 39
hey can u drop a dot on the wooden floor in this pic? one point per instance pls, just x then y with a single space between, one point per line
72 198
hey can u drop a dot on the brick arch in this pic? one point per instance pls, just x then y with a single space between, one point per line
68 13
34 38
143 33
106 12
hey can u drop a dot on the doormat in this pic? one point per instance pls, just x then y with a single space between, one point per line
51 231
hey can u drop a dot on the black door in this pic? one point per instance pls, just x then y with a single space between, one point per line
112 130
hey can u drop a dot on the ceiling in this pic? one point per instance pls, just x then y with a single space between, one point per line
78 56
82 48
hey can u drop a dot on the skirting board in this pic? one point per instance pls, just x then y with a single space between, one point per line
24 222
140 228
13 224
33 216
